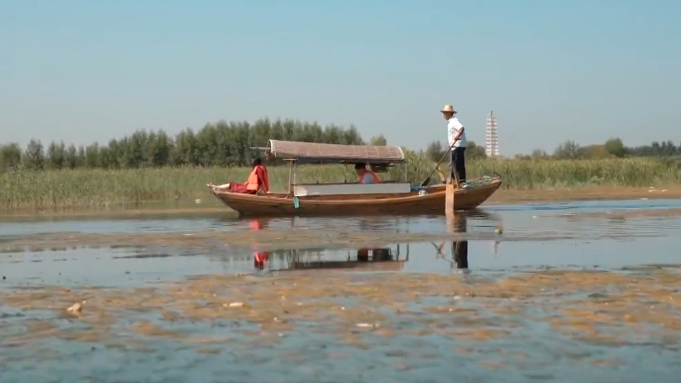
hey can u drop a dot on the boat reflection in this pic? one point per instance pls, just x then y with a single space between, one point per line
369 258
365 258
362 259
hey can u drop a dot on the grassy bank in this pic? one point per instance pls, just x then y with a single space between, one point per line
96 188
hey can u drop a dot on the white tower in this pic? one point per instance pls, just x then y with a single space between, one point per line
491 140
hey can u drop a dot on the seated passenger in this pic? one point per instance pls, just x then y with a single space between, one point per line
365 176
257 180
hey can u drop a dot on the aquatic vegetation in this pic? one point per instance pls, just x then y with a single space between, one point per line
100 188
541 174
619 309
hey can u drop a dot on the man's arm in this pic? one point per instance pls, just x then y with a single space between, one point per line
458 134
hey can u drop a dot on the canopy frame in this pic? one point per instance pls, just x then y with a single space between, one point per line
318 153
312 153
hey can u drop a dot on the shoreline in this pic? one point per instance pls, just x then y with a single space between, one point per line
501 197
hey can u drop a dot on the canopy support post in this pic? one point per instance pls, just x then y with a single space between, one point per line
290 178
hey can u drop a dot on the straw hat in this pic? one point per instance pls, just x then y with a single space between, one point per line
448 108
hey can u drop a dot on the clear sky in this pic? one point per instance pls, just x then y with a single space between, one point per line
552 70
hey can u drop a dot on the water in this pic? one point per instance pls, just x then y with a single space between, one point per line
565 292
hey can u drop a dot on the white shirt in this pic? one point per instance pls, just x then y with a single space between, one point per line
453 126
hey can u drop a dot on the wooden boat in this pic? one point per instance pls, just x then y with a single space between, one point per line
335 199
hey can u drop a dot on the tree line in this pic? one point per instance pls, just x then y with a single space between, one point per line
229 144
570 150
613 147
220 144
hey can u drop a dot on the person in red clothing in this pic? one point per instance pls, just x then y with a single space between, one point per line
366 176
257 180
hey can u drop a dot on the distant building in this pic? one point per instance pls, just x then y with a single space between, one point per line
491 139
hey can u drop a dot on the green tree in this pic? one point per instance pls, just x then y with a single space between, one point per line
92 156
437 149
56 155
159 148
475 151
34 156
567 150
71 158
615 147
10 156
539 154
379 140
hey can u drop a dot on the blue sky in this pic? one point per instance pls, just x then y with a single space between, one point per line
584 70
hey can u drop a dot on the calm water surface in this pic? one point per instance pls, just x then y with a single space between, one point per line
531 352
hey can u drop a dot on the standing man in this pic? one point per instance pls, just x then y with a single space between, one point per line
457 144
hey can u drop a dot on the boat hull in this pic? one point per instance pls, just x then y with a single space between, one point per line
433 202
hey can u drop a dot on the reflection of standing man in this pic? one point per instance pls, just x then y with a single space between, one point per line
460 248
456 223
456 137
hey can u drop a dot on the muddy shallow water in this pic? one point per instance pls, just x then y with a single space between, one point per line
556 293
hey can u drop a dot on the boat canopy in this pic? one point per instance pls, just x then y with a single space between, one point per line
311 152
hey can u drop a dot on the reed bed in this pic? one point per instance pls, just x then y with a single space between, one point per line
101 189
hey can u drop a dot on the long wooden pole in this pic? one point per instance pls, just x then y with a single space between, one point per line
438 165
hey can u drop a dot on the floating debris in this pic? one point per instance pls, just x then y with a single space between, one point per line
75 309
368 325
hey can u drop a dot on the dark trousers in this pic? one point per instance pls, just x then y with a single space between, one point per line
457 163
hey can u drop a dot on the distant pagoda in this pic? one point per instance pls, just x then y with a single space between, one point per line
491 139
